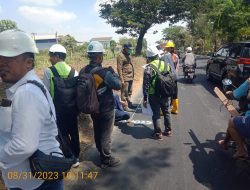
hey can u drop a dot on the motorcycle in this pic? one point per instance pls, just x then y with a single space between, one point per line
189 72
234 111
242 102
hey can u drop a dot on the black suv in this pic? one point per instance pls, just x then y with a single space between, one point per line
231 61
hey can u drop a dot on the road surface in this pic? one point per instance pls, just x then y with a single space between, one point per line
189 160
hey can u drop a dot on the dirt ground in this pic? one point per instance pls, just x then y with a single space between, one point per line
85 122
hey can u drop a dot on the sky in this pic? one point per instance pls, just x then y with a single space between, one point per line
78 18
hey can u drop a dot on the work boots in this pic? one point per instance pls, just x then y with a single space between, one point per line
175 106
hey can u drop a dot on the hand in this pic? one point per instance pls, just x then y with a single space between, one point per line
145 103
111 69
123 84
229 95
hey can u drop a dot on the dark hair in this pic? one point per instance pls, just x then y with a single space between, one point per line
153 58
58 54
93 55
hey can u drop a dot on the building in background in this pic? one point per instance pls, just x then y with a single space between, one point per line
105 41
45 41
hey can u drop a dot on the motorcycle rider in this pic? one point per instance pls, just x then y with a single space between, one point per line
238 126
189 60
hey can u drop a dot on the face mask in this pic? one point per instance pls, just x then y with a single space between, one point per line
129 51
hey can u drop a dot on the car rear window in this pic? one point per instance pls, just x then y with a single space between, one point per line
246 51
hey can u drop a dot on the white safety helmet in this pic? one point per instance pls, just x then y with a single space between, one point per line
57 48
152 51
189 49
95 47
16 42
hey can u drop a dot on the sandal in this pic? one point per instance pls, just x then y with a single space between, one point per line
167 133
223 144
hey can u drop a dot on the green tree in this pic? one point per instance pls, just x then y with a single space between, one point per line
135 17
231 17
68 42
113 46
179 35
7 24
133 42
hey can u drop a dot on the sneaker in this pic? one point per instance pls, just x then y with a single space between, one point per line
157 136
110 162
76 164
167 133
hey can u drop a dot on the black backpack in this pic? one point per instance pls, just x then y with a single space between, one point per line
64 92
87 99
165 85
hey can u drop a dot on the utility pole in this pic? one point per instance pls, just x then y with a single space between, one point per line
56 38
34 35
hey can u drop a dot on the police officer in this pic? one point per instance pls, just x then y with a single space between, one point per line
125 70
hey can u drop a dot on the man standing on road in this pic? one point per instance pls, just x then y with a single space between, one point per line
106 80
156 103
67 122
125 70
25 119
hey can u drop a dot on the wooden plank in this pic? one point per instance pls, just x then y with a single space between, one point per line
226 102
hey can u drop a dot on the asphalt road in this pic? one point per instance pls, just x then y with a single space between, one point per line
189 160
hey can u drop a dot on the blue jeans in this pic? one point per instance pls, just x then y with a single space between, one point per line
48 185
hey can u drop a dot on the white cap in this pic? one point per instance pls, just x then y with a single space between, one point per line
16 42
95 47
57 48
152 51
189 49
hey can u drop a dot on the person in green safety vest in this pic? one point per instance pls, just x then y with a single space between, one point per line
67 124
157 104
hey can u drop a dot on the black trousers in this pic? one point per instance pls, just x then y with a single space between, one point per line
103 127
158 104
69 134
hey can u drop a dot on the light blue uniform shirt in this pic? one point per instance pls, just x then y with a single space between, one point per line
241 91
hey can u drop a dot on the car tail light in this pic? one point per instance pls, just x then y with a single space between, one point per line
244 61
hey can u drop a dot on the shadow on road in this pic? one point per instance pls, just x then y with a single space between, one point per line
137 131
215 168
132 174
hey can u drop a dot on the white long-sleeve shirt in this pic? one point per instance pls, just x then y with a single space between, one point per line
32 127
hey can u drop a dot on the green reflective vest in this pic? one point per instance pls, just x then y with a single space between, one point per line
162 68
63 69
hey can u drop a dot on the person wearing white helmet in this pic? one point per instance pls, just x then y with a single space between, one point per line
67 122
189 60
106 80
26 123
157 103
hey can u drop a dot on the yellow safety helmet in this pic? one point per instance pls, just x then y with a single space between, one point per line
169 44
